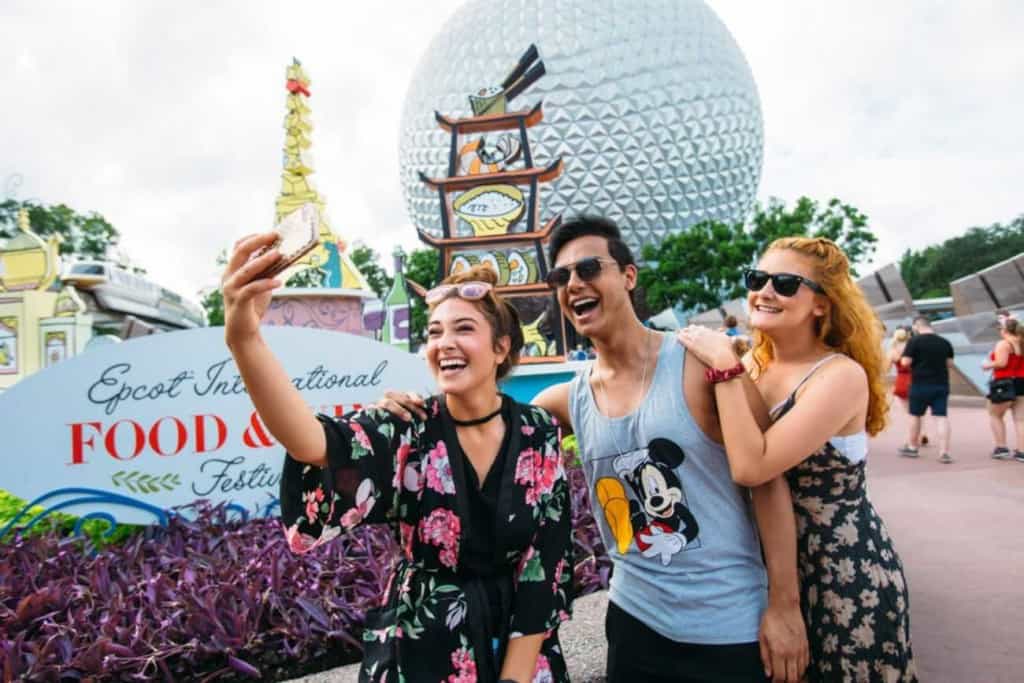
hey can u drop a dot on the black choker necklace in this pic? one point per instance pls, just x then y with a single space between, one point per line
476 421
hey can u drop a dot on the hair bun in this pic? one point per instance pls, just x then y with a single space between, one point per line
481 272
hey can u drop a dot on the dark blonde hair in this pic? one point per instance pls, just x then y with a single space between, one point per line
1013 326
499 313
849 326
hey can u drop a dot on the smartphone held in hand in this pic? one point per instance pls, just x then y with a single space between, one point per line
297 235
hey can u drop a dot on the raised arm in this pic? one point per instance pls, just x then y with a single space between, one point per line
278 402
555 400
757 456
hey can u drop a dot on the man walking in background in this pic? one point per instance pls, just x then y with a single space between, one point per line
929 358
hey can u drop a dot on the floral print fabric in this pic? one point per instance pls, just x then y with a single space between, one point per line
854 595
383 470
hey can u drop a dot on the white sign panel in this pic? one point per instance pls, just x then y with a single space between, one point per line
165 419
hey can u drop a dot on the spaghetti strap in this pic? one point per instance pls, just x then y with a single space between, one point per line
812 370
807 376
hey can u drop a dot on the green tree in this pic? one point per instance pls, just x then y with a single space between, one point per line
213 300
213 303
368 262
84 236
839 222
699 268
929 271
307 277
422 267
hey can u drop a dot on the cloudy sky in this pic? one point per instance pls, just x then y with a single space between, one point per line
166 117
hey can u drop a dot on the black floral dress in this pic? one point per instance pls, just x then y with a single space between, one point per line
853 592
444 617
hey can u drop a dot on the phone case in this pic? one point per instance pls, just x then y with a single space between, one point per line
297 235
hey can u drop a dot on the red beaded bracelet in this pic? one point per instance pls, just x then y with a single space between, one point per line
714 375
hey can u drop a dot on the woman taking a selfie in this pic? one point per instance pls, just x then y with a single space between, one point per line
817 358
474 493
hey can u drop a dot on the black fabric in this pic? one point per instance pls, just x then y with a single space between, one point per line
928 354
434 625
1002 390
638 653
479 540
923 397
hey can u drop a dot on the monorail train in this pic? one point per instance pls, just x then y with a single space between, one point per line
118 290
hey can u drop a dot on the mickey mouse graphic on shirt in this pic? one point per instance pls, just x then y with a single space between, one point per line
657 519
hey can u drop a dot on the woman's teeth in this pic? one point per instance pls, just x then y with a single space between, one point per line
767 309
452 365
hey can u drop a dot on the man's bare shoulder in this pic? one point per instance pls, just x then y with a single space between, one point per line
555 400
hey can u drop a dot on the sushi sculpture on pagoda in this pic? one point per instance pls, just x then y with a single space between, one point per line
490 204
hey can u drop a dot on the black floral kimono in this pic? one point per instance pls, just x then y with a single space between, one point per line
447 613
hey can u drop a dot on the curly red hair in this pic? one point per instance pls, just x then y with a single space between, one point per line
850 325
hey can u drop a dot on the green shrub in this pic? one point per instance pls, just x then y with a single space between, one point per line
92 529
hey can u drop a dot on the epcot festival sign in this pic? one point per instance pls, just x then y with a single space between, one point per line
127 431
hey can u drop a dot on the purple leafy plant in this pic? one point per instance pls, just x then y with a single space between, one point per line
206 598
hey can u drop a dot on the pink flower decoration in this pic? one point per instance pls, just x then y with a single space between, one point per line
406 534
401 457
313 499
438 470
442 529
464 665
365 501
361 436
542 672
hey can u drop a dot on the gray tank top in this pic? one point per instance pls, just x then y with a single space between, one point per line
680 533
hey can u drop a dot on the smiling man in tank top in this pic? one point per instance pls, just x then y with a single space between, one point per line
690 598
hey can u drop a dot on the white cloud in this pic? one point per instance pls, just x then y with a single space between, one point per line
167 118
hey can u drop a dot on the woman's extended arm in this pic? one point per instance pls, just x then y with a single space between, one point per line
278 402
756 457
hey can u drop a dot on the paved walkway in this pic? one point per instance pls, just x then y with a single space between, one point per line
960 531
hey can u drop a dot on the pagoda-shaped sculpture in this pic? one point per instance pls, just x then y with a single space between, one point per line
490 204
337 290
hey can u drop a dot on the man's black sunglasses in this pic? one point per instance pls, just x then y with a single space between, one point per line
784 284
586 269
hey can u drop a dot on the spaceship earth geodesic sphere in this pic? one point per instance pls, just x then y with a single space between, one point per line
650 103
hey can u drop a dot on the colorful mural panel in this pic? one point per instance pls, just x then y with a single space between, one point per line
515 265
490 212
8 346
55 348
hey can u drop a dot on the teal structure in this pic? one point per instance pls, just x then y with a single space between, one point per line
523 386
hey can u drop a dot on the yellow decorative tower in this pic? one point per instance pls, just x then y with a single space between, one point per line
297 188
38 327
338 302
26 261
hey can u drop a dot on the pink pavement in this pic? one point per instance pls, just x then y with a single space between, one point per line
959 529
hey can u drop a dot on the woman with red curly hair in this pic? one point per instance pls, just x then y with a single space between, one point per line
817 359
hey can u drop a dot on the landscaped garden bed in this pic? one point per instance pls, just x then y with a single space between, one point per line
207 597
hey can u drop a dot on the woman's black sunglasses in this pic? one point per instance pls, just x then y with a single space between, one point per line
586 269
784 284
